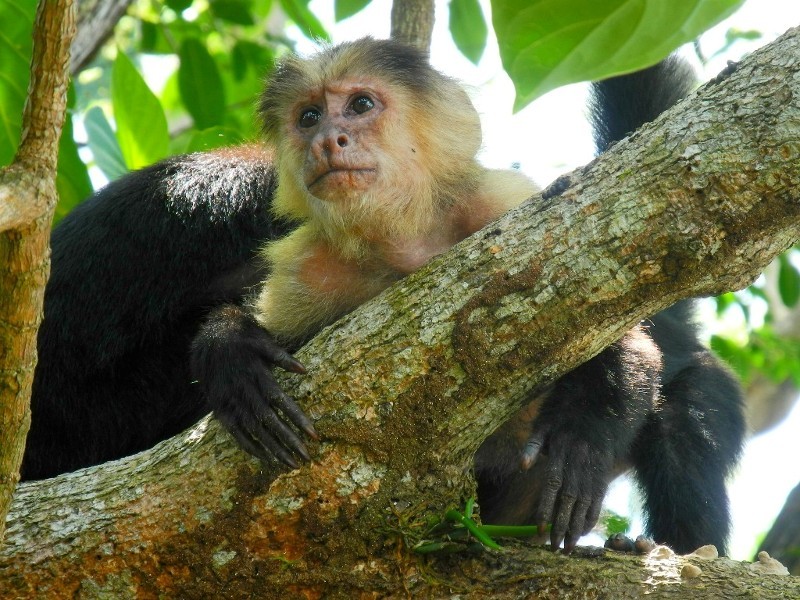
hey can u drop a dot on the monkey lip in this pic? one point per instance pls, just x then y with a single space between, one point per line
343 175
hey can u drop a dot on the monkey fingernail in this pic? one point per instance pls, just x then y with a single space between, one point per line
295 366
311 432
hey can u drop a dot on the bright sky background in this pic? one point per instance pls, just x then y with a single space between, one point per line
550 137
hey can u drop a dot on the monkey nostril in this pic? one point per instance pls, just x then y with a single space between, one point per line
342 141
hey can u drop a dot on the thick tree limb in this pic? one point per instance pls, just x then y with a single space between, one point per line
27 201
404 389
96 21
412 22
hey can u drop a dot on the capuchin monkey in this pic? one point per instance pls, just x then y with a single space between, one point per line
377 197
376 172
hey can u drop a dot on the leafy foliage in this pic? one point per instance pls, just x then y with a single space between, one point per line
141 125
17 18
200 84
545 44
15 52
103 143
72 177
347 8
468 28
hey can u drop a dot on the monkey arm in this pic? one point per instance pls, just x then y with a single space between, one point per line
586 428
231 359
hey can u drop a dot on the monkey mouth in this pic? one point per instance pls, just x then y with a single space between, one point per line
344 176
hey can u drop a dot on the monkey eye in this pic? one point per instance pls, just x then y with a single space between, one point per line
362 104
309 118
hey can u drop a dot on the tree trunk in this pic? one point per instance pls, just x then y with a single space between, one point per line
404 389
412 22
27 201
96 21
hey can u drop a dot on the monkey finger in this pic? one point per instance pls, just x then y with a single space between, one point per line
553 481
577 524
561 520
280 399
287 362
570 542
285 435
296 415
278 355
531 450
258 450
278 451
593 514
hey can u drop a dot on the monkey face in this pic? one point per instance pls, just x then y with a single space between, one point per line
342 131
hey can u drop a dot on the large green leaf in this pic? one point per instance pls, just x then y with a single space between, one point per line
16 17
468 28
298 11
343 9
203 141
233 11
103 144
548 43
141 125
200 84
72 178
788 282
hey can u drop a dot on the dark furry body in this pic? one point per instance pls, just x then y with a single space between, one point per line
148 277
681 434
135 270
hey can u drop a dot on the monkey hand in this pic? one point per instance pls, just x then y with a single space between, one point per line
576 477
231 359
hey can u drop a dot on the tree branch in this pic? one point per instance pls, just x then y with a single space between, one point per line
27 201
96 21
412 22
405 389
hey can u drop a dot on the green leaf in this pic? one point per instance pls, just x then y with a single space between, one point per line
545 44
297 11
103 144
72 178
614 523
262 8
741 360
178 5
141 125
238 62
199 81
15 57
468 28
148 36
208 139
342 9
238 12
788 282
246 53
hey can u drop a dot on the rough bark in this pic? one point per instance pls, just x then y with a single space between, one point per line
412 22
27 201
96 21
404 389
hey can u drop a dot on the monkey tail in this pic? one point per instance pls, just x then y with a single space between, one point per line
620 105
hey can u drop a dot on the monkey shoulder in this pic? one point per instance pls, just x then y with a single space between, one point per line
500 190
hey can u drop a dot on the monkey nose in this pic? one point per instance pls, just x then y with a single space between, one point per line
341 141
